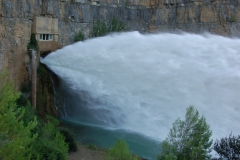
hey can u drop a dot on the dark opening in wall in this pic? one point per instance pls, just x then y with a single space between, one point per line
44 54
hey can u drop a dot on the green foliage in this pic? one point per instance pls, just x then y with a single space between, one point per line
41 71
69 138
42 74
92 147
33 44
21 136
50 144
22 101
232 19
25 87
102 28
228 147
120 151
188 139
169 156
127 3
79 37
15 135
53 120
99 29
116 26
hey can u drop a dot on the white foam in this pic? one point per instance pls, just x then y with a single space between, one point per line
143 83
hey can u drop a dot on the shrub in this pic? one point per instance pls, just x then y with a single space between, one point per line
99 29
50 145
126 2
228 147
92 146
41 71
232 19
188 139
15 135
120 151
23 135
116 25
22 100
102 28
69 138
33 44
79 37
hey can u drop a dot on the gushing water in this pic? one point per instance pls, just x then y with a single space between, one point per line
143 83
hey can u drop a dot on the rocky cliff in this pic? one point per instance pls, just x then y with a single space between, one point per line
16 19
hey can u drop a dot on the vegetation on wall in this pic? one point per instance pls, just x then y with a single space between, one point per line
188 139
79 37
41 72
45 92
232 19
33 44
126 2
102 28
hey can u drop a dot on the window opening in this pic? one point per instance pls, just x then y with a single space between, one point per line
46 37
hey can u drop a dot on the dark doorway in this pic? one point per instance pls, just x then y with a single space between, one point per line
44 54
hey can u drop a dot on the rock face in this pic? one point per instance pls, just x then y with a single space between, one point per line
16 19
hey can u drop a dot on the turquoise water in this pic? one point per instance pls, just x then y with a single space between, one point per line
105 138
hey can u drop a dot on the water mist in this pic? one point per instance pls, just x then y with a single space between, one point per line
143 83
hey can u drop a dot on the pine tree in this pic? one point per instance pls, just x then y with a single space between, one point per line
15 136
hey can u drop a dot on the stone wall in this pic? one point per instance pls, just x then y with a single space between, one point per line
16 19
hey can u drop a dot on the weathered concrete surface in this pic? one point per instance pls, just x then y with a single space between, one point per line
16 19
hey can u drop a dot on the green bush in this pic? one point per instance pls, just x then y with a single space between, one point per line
126 2
188 139
15 135
232 19
92 147
120 151
102 28
50 144
69 138
116 26
79 37
41 71
33 44
23 135
22 100
99 29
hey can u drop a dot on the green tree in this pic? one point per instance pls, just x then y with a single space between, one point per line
15 135
120 151
228 147
188 139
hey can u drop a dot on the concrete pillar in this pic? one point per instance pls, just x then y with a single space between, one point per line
34 77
